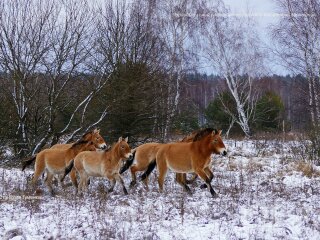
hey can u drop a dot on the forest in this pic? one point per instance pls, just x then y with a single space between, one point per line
159 119
134 69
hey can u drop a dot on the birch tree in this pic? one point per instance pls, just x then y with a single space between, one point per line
23 26
231 46
298 46
175 28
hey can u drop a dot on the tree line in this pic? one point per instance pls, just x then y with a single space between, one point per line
67 66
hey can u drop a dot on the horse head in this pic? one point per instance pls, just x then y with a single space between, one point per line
217 143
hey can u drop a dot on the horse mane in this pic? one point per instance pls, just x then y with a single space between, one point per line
203 133
85 135
79 142
110 147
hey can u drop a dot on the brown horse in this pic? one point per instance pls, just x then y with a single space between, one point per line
189 157
101 164
146 153
92 136
54 161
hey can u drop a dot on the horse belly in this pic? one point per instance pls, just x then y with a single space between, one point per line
178 158
56 169
92 170
180 166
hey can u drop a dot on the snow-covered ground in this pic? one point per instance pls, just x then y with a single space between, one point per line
263 194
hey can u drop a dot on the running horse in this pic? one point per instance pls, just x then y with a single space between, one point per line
189 157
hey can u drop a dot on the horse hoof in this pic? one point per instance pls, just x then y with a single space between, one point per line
214 196
132 184
203 186
125 191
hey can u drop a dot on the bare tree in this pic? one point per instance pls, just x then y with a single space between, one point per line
175 29
231 46
298 38
23 26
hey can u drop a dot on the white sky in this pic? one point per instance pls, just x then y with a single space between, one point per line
264 14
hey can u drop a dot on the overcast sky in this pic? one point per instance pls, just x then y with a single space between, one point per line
264 14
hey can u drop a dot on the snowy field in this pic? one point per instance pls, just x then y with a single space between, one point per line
266 191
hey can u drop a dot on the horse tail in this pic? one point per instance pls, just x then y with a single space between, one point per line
128 163
28 162
150 168
68 169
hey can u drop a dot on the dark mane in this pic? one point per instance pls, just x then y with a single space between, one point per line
203 133
108 149
85 135
79 142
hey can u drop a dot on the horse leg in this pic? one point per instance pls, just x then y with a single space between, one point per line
192 179
39 169
204 176
113 183
83 181
119 178
61 181
210 176
73 177
48 182
162 170
181 179
133 171
146 181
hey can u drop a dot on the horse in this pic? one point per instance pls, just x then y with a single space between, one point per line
101 164
93 136
54 161
189 157
146 153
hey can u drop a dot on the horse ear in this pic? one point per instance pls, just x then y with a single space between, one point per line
214 132
120 139
126 139
219 132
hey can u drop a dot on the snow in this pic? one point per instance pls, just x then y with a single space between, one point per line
261 196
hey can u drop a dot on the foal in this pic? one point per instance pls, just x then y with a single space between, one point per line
101 164
92 136
189 157
54 161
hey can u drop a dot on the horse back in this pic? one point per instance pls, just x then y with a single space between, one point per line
146 153
61 146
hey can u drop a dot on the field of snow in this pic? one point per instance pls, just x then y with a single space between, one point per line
266 191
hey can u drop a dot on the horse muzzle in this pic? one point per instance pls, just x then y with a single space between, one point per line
128 155
103 146
223 152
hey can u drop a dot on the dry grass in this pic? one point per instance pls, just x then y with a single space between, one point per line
255 202
307 169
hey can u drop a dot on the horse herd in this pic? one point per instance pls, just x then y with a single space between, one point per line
89 157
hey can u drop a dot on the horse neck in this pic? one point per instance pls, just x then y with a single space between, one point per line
114 153
204 146
74 150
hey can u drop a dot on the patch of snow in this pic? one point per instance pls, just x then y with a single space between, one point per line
258 199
